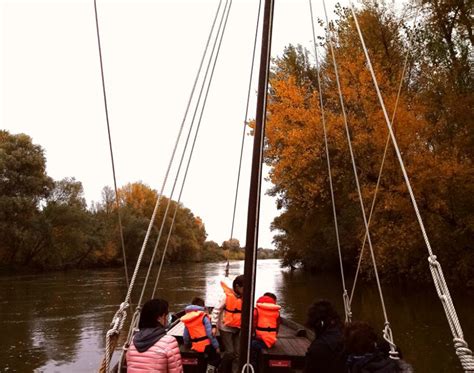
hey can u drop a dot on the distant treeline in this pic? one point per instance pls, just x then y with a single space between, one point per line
46 224
433 125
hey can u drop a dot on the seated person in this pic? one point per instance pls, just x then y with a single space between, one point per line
365 354
266 322
198 332
326 352
152 349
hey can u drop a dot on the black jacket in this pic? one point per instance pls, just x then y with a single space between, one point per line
376 363
326 353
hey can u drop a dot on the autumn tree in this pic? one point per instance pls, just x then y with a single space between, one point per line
137 202
296 154
231 244
443 47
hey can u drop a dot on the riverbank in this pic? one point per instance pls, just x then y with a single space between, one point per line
209 256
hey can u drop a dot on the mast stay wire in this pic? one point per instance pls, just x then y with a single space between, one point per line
182 156
379 178
345 298
122 241
246 117
136 314
219 36
387 332
192 147
119 318
463 352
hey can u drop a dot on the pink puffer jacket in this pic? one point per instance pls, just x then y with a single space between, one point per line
162 357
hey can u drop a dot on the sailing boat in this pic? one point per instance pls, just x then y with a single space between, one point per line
293 338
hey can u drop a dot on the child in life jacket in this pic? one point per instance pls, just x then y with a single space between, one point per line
198 333
266 322
226 316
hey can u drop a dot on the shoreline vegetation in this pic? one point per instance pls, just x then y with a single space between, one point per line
45 224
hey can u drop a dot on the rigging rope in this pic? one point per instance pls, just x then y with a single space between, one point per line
345 298
245 119
182 158
387 332
110 143
379 178
461 347
198 127
121 313
136 314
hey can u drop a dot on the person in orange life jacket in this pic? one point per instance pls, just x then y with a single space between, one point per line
265 326
226 317
198 332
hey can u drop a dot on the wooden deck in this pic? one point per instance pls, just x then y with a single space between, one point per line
287 355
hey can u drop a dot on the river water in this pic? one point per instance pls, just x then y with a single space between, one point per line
57 322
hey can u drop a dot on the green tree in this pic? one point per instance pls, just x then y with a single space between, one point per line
24 184
69 232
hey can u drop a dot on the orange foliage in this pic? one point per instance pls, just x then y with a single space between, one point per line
296 154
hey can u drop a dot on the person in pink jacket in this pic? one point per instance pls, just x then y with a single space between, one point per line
152 349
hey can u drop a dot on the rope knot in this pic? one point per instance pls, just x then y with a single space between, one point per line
433 260
247 367
388 336
464 354
123 306
347 306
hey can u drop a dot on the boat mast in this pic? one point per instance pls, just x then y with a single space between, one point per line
255 184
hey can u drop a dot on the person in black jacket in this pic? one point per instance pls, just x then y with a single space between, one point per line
326 352
366 354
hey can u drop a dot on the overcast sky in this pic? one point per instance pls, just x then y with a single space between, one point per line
51 90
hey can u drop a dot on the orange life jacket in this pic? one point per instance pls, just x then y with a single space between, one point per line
267 323
233 307
197 332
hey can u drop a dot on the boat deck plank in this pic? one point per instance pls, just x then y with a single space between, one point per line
288 344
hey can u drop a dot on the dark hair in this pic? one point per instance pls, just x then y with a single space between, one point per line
359 338
198 302
238 281
271 295
321 315
151 310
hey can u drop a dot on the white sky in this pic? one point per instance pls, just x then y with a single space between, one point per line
51 90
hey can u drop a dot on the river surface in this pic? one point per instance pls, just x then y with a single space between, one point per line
57 322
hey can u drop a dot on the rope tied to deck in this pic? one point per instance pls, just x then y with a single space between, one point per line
347 306
388 337
115 327
247 367
461 347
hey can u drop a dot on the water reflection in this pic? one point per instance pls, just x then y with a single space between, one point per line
268 279
57 322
